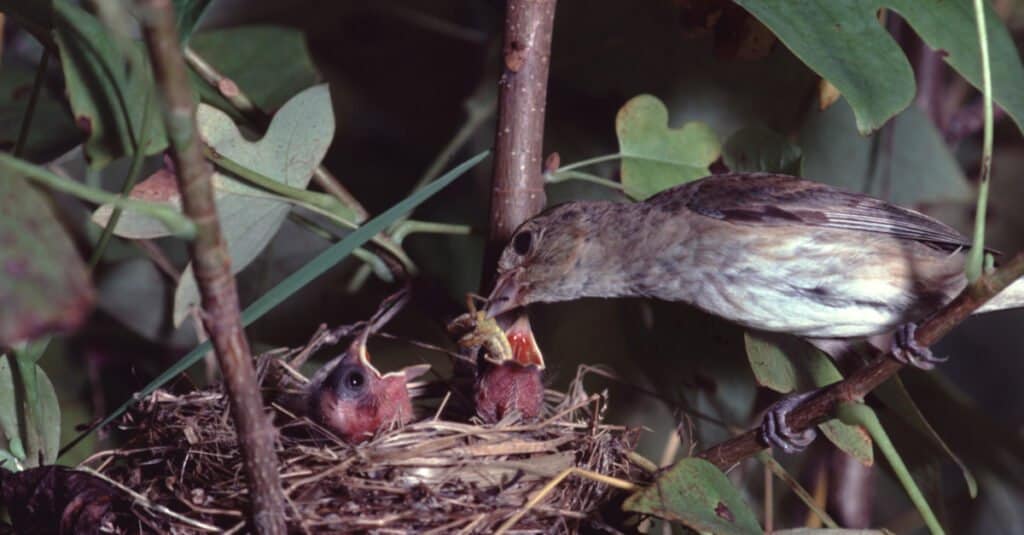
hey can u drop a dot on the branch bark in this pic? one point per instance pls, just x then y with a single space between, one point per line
212 265
517 186
822 406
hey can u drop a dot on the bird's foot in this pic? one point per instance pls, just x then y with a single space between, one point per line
777 433
906 350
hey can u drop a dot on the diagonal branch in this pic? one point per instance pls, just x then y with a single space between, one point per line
822 406
255 434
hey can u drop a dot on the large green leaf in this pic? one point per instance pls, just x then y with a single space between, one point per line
44 285
698 495
294 145
29 424
54 131
656 157
304 275
268 63
107 84
843 41
916 168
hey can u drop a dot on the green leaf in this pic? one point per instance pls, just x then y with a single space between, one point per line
188 13
758 149
268 63
845 43
785 364
54 131
293 147
918 169
656 157
698 495
771 366
44 286
29 429
106 85
304 275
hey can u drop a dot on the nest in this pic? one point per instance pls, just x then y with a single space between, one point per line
433 476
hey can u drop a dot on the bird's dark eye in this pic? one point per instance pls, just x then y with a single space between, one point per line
522 242
355 380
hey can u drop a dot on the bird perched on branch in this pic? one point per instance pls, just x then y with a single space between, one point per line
767 251
349 396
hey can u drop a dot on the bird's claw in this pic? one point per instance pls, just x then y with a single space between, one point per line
906 350
777 433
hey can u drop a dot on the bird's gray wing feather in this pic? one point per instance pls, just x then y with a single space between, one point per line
771 199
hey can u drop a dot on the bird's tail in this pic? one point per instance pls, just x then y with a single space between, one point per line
1011 297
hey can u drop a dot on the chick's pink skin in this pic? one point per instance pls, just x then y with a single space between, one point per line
356 419
513 385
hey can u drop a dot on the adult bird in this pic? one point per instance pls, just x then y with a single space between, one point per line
767 251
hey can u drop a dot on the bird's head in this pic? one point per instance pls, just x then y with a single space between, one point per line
355 400
538 262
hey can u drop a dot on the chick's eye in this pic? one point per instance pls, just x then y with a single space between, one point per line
355 380
522 242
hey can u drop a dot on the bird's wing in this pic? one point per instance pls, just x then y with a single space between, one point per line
770 199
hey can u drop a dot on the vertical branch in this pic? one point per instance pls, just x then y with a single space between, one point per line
212 263
517 186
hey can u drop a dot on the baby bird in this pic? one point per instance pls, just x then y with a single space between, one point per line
349 396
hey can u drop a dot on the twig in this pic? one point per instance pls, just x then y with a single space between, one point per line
517 186
213 267
821 407
551 485
144 502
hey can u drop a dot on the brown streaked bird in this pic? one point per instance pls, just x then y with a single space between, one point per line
767 251
349 396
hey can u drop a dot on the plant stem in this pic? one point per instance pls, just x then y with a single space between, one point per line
212 264
588 161
517 185
33 99
561 176
176 223
976 255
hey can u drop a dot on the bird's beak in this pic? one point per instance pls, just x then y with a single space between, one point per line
506 294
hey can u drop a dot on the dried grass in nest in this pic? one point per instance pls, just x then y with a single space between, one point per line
430 476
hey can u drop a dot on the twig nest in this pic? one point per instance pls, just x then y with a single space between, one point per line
429 475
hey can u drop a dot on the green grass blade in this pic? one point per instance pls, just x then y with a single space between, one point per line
313 269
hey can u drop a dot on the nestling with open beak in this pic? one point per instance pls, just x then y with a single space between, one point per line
349 396
770 252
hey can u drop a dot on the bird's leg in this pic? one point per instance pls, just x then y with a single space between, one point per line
776 432
906 350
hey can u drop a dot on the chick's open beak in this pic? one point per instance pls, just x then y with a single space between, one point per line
506 295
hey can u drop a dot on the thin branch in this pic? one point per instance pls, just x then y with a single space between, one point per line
517 186
822 407
212 265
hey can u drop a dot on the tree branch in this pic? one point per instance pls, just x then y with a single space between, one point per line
822 406
517 186
255 434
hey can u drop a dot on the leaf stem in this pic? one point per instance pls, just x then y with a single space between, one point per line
178 224
33 99
562 176
588 161
976 255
